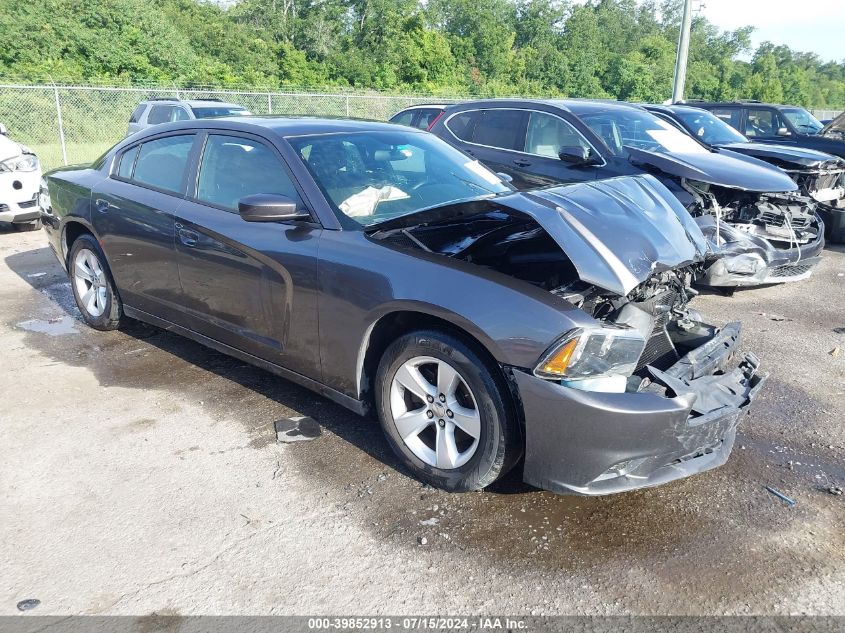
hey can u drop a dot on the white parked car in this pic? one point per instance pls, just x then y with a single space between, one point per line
20 180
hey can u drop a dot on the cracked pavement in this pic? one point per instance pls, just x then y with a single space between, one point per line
140 474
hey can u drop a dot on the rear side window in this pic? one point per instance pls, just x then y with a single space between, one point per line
425 117
127 161
403 118
233 167
728 115
462 125
137 112
161 163
166 114
504 129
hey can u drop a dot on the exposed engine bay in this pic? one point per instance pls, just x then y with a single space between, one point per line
824 184
656 309
786 220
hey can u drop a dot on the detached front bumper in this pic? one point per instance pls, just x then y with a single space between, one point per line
594 443
744 260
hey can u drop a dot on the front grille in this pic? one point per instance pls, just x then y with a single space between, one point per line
777 219
790 270
659 350
28 204
4 208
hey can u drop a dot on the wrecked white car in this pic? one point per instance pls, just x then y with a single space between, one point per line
20 180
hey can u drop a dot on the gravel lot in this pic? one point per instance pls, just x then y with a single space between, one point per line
139 473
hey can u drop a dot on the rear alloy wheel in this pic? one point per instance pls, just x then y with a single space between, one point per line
92 284
445 413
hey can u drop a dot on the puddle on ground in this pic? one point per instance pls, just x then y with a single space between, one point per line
58 326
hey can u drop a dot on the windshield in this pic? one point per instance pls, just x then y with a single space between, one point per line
802 120
217 111
620 129
708 127
374 176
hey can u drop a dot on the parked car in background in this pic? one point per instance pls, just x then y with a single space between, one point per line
818 175
165 110
760 227
419 116
781 124
479 323
20 180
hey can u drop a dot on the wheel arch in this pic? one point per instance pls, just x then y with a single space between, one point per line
71 231
387 328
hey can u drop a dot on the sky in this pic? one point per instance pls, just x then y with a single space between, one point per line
816 26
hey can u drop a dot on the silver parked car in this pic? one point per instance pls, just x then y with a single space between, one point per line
166 110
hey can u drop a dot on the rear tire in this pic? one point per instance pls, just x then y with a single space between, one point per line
93 286
457 428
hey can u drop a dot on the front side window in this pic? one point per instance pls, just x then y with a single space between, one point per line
621 129
234 167
161 163
371 177
802 120
762 123
709 128
547 135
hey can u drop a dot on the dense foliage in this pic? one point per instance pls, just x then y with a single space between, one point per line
607 48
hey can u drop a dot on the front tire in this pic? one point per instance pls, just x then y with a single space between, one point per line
446 412
93 286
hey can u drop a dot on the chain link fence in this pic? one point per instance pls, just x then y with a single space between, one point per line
76 124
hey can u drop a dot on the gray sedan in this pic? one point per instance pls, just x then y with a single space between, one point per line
392 273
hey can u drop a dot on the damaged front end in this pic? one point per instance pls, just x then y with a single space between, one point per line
756 238
641 391
825 183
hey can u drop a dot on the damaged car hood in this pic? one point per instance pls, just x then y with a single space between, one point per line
616 232
835 128
8 148
724 169
798 157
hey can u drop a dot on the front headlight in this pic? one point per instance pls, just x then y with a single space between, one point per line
27 162
606 351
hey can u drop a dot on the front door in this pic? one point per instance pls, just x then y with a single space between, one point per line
249 285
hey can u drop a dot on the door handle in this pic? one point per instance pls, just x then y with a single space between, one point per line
188 238
519 162
102 205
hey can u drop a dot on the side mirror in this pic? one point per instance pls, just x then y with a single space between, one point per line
270 207
782 131
3 130
576 155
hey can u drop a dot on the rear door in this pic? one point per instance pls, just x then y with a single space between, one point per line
134 217
251 286
495 136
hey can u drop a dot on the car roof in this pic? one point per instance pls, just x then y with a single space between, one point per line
426 105
284 126
195 102
575 106
674 107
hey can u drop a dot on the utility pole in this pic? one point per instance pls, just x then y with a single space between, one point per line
683 54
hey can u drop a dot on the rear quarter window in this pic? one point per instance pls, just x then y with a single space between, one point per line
161 163
137 112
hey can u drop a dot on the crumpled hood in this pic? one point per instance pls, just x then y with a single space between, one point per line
616 232
798 157
725 169
8 148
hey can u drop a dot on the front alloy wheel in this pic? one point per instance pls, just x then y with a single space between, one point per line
447 411
435 412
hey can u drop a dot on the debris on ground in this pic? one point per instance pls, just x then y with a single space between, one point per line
296 429
28 605
835 490
422 540
839 330
787 500
774 317
836 351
